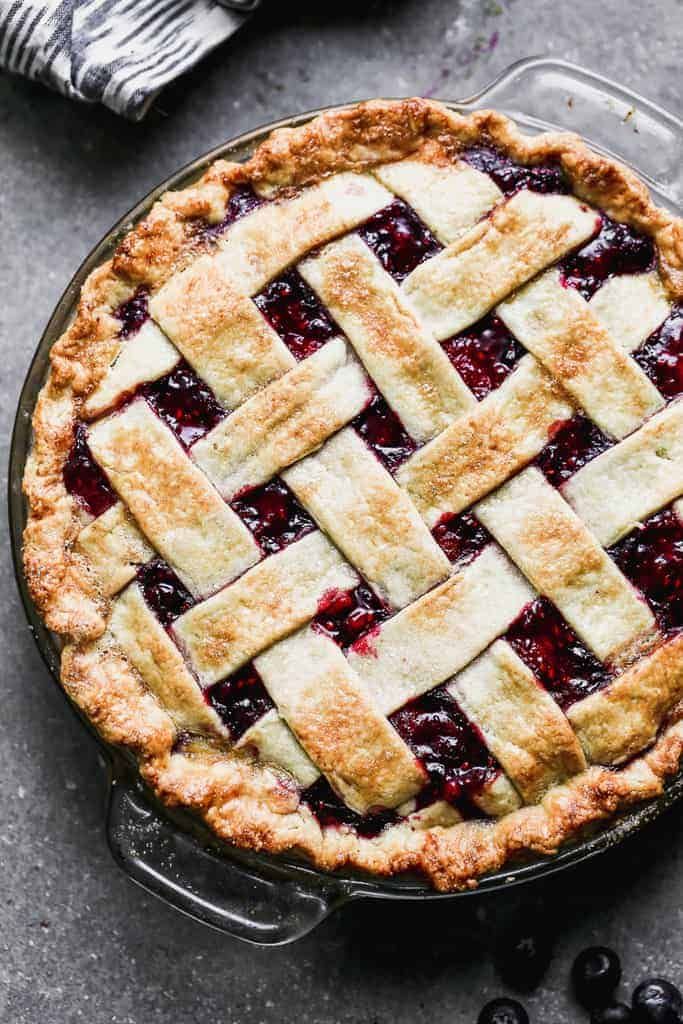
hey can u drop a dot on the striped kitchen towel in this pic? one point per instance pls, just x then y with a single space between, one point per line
116 52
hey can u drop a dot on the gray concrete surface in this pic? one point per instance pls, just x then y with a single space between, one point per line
77 940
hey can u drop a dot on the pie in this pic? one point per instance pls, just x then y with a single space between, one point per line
355 493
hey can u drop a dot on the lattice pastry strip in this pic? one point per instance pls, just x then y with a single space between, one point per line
522 236
355 500
559 327
285 420
449 197
630 307
521 723
325 704
409 367
628 482
550 544
172 501
440 633
273 599
114 547
275 744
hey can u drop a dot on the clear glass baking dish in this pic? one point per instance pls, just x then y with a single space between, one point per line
267 900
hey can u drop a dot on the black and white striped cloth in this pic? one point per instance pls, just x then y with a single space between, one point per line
116 52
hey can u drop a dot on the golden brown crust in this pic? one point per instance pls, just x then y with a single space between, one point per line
245 802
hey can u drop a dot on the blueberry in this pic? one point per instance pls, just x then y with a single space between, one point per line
503 1011
522 958
615 1013
657 1001
596 974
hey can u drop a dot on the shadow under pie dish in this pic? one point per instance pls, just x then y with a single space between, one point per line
354 493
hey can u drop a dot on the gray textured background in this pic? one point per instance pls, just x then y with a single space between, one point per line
77 941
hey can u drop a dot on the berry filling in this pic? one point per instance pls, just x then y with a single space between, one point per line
133 313
616 249
273 515
242 201
651 557
163 591
511 177
185 403
240 700
461 537
399 239
449 746
347 615
484 355
382 430
295 312
554 653
84 479
572 444
661 356
332 812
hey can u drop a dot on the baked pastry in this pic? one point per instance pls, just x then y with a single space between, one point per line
355 493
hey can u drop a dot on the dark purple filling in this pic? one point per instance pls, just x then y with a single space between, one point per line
84 479
652 558
554 653
661 356
399 239
347 615
332 812
185 403
133 313
572 444
511 177
273 515
295 312
240 700
616 249
242 201
462 537
163 591
382 430
449 746
484 355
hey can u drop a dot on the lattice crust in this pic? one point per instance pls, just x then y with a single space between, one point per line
172 586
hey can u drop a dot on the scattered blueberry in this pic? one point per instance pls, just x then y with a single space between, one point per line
615 1013
657 1001
595 974
503 1011
522 958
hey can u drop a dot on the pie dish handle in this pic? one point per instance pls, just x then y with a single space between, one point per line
268 907
613 119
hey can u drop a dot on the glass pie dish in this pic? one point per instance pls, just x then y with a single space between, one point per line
267 900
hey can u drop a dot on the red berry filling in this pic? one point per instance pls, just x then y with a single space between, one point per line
163 591
511 177
616 249
84 479
399 239
242 201
484 355
332 812
382 430
133 313
461 537
572 444
652 559
295 312
185 403
661 356
449 746
347 615
273 515
240 700
554 653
